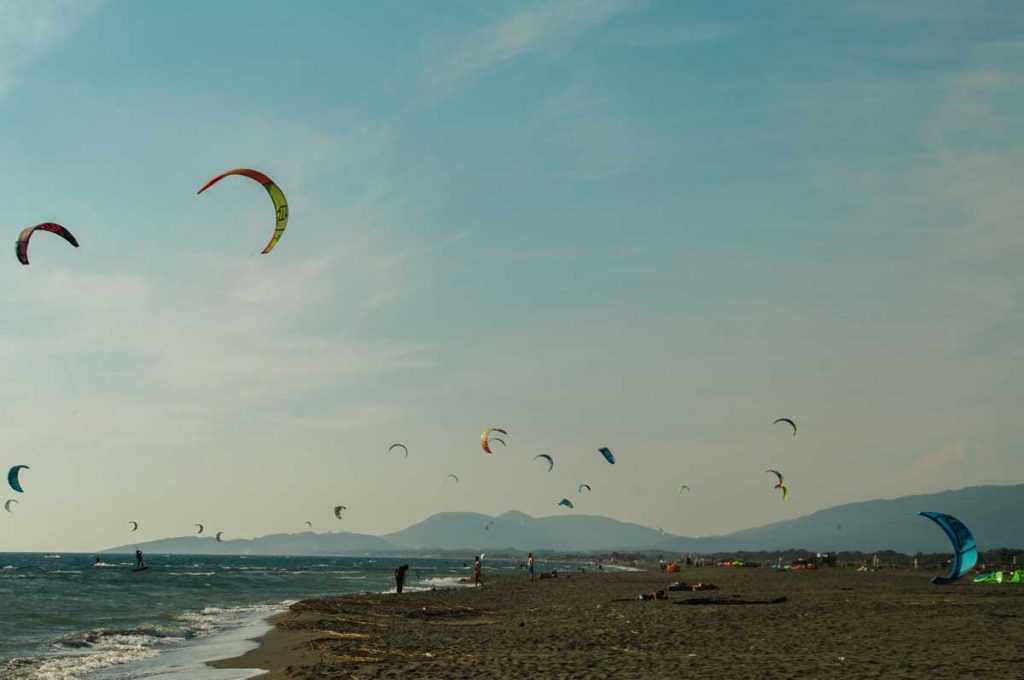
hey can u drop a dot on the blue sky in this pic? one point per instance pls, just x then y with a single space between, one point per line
651 225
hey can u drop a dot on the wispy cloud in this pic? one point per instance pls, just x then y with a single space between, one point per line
670 36
28 28
511 37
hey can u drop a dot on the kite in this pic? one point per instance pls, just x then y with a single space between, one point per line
549 459
135 526
338 509
485 438
566 503
581 487
788 422
777 474
453 476
276 195
399 445
309 524
21 246
7 505
785 491
608 455
683 487
219 534
200 528
12 477
965 550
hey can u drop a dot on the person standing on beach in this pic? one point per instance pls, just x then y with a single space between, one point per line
529 565
400 577
476 571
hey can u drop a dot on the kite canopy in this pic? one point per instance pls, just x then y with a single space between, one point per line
965 550
8 504
485 438
581 487
608 455
683 487
399 445
309 524
549 459
200 528
21 246
454 476
219 534
788 422
276 195
134 525
565 502
777 474
12 477
785 491
338 509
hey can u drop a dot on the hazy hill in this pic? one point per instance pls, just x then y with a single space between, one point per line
307 543
582 533
992 513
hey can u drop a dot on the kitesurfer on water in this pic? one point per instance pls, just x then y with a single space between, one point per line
399 578
139 562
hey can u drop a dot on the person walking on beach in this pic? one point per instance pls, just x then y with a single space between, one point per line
529 565
476 571
400 577
139 562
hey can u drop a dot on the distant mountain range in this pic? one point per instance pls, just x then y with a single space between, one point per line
992 513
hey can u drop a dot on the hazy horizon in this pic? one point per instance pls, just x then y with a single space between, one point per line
641 225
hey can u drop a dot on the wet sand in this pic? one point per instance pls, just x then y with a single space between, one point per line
833 623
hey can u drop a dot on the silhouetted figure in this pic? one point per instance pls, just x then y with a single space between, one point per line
139 562
400 577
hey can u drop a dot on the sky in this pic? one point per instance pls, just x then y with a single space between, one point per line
653 226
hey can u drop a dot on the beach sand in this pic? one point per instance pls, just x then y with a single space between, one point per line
833 623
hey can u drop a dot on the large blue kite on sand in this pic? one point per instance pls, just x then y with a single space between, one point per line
965 550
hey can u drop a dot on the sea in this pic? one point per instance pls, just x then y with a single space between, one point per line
68 616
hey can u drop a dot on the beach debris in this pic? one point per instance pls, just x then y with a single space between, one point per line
607 453
565 502
965 550
715 601
549 459
691 587
338 509
201 527
276 196
581 487
399 445
134 526
12 477
788 421
658 595
452 475
21 246
485 438
8 504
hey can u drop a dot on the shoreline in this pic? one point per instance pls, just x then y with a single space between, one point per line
757 623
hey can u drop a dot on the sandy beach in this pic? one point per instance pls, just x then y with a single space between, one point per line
757 624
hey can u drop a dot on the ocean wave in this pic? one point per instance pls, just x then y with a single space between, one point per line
77 655
444 582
